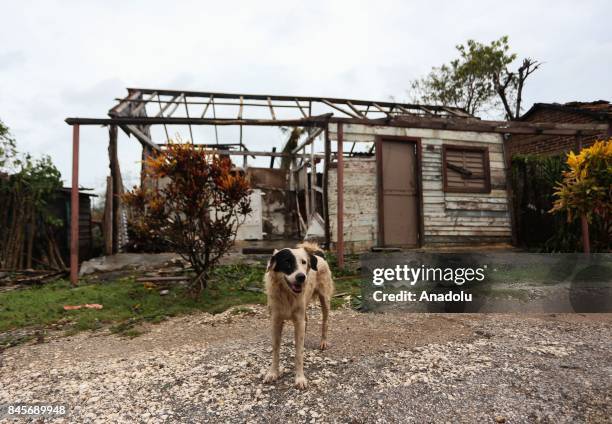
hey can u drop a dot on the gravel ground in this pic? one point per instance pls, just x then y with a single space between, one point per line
387 367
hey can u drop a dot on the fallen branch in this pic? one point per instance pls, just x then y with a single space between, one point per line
159 279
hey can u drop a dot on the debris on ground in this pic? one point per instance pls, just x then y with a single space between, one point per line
86 306
121 261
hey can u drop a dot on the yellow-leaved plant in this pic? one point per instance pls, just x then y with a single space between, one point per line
586 188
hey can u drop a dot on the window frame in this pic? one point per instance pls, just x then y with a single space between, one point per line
486 166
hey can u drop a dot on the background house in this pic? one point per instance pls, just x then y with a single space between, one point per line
596 112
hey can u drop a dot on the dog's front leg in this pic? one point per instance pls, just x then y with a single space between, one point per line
299 323
325 304
277 331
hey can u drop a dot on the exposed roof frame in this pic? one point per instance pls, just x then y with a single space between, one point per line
475 125
351 110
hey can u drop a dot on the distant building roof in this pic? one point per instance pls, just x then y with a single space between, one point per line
598 109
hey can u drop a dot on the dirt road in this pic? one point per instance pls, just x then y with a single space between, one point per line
380 368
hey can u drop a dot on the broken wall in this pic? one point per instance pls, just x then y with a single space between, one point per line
278 203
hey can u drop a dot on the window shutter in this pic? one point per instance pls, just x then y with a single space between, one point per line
466 169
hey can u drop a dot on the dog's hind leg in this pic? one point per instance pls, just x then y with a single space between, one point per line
277 331
300 327
325 305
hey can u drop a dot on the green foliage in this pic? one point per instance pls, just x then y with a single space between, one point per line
478 80
533 180
8 149
586 189
27 186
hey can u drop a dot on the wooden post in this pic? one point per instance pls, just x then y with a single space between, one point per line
117 185
340 194
313 179
584 224
272 158
586 241
326 162
108 218
510 189
304 172
74 209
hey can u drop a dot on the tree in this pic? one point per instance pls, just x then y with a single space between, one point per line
27 224
586 189
8 149
479 80
197 205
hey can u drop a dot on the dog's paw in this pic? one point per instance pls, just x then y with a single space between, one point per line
323 345
270 377
301 382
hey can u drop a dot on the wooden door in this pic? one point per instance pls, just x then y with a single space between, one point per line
398 193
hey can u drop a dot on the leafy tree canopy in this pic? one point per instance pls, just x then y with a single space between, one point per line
479 80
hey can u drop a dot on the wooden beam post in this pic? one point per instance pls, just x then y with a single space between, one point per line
584 223
313 179
117 185
107 227
340 194
272 157
74 209
586 241
326 162
509 189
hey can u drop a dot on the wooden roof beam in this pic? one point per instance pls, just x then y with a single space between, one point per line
211 99
354 109
166 106
142 104
297 102
377 106
316 121
271 109
142 137
118 109
175 105
346 112
309 140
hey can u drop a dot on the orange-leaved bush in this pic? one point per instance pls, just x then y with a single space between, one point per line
198 202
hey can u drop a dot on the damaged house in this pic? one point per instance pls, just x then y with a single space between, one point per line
355 174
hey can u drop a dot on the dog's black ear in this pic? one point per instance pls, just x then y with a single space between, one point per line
272 261
313 262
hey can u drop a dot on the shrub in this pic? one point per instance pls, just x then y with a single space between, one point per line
195 207
586 188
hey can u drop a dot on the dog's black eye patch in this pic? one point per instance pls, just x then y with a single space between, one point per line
313 262
284 261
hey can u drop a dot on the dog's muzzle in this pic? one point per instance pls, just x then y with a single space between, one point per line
298 285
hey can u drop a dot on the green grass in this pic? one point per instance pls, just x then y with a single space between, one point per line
128 303
124 301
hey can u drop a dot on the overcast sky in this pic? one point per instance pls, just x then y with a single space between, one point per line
72 58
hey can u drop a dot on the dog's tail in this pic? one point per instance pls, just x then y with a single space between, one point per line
311 248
